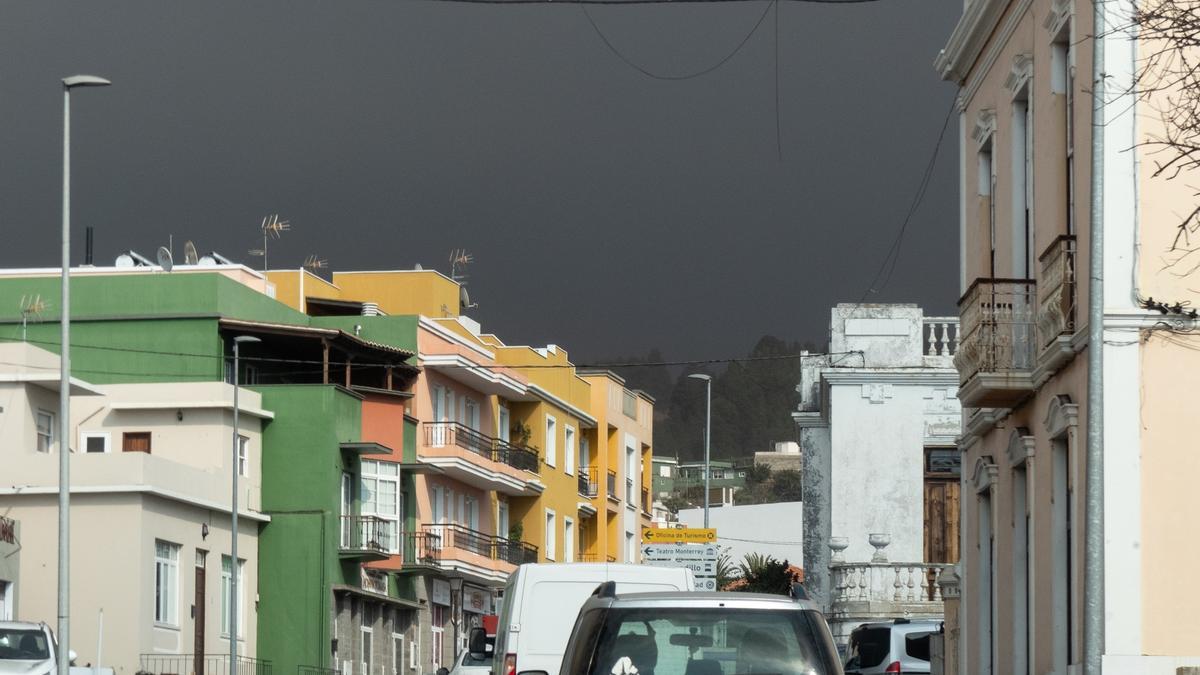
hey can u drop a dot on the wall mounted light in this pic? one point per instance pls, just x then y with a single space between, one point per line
204 530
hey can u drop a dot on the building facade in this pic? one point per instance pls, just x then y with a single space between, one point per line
150 513
1031 153
877 423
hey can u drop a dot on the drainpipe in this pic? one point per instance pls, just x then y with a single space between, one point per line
1093 562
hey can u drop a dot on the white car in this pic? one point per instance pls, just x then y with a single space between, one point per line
27 648
470 665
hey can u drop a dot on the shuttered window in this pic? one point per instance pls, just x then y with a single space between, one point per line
135 441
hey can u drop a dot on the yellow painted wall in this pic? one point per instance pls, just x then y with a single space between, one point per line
424 292
293 286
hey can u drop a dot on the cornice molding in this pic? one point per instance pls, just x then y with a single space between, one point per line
1061 416
985 126
927 377
1019 76
1021 447
1002 35
978 21
985 474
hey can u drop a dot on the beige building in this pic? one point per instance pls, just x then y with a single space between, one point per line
1025 72
150 516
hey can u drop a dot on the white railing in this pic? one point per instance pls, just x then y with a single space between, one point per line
939 335
885 583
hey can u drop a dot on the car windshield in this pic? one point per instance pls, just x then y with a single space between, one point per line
713 641
23 644
468 660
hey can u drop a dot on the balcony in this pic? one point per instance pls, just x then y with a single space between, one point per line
645 502
995 356
612 487
1056 304
878 591
366 538
457 547
587 482
479 460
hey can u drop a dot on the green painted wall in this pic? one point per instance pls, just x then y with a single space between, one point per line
301 455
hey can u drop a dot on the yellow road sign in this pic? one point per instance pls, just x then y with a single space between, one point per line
699 535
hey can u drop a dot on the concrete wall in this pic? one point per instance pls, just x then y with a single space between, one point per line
770 529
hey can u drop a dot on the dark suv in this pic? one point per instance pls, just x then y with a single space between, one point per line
699 634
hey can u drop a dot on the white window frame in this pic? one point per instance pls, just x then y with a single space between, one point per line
569 450
398 664
470 413
551 441
551 538
243 456
437 634
471 512
437 496
366 648
49 434
226 580
370 477
85 436
166 584
502 524
568 539
503 420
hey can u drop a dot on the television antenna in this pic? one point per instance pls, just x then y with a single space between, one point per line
271 227
190 257
313 263
459 259
31 305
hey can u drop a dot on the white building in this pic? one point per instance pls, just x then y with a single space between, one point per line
877 423
775 529
150 511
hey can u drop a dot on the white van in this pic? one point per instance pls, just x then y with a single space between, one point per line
541 602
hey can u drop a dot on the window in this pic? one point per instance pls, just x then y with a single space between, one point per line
437 503
95 441
347 508
502 518
568 540
45 430
551 439
987 190
986 587
629 404
1022 619
630 548
243 456
166 583
397 653
1062 82
136 441
471 513
550 524
1022 185
502 424
471 413
438 619
366 650
569 449
585 454
379 490
226 589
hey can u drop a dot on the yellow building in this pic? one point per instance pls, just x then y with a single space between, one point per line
588 496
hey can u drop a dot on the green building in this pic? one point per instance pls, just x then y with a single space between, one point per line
331 592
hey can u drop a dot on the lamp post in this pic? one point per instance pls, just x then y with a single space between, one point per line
64 385
233 559
707 432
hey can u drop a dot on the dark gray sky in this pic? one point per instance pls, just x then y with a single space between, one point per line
607 211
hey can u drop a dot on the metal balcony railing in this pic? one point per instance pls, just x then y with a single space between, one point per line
442 434
1056 304
612 486
202 664
645 501
997 327
587 482
421 549
367 533
433 540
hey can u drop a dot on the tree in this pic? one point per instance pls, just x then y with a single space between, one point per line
675 502
764 574
787 486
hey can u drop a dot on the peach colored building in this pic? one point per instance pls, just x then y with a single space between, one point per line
1026 77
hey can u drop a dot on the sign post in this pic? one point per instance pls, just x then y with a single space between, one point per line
695 549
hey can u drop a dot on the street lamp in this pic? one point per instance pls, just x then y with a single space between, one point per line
64 385
233 559
707 431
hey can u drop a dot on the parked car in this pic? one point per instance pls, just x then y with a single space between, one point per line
541 602
27 648
899 646
468 664
698 634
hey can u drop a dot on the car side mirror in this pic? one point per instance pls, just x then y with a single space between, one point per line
477 643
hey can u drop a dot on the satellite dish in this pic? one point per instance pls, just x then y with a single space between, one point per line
164 259
464 298
418 267
124 260
208 260
189 254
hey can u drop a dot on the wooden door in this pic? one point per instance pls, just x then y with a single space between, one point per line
199 618
941 520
